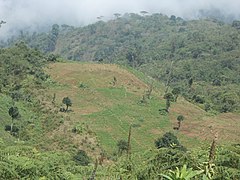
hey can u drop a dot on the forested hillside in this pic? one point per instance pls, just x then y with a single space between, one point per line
201 58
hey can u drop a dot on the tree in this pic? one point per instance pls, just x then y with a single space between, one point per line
199 99
122 146
2 22
67 101
52 58
14 113
168 140
117 15
143 13
131 57
236 24
173 18
53 37
176 92
169 97
180 118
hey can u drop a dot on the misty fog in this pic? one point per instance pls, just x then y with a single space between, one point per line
39 14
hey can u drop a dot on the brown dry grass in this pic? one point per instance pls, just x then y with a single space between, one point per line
202 125
95 75
87 100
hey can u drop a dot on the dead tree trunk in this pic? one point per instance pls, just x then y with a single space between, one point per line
129 141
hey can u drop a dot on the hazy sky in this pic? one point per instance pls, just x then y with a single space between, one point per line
38 13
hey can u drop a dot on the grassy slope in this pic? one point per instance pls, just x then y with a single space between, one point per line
109 110
5 104
27 116
202 126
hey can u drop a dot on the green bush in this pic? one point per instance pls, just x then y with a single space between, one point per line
122 146
168 140
83 85
82 158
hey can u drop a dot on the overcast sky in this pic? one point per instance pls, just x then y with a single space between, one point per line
38 13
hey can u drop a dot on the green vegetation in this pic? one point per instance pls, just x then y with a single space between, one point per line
184 174
122 146
164 61
106 110
168 140
199 57
82 158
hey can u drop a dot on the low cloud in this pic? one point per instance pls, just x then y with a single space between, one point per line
39 14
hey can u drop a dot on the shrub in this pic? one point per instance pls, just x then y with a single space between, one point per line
199 99
207 107
82 158
83 85
78 129
122 146
169 96
168 140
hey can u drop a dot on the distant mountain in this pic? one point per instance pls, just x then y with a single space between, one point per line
205 50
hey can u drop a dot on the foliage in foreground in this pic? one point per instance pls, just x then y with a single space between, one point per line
26 162
153 164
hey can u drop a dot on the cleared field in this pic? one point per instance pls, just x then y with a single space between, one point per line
109 109
202 126
107 98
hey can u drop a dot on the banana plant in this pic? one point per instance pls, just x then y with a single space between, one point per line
182 174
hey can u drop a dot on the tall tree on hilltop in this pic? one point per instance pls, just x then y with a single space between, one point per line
117 15
53 37
144 13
